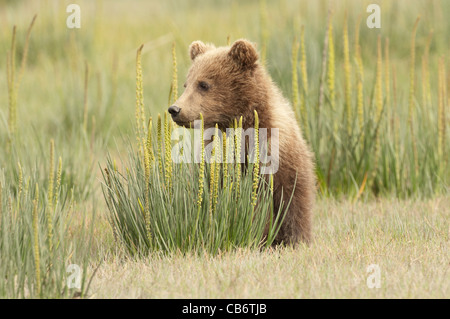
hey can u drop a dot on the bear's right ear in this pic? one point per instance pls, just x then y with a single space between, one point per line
197 48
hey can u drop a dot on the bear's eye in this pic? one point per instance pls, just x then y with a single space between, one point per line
185 85
203 86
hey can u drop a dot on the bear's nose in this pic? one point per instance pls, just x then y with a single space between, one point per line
174 110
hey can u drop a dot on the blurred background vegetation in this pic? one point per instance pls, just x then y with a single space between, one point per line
52 98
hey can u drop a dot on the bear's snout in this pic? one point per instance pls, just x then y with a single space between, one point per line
174 110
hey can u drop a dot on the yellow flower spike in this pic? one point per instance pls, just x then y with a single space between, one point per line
348 80
146 173
147 193
395 127
303 64
212 179
58 181
387 79
387 73
331 73
256 165
224 157
12 94
379 83
167 152
238 136
217 166
331 65
202 167
235 126
379 105
36 241
139 112
174 74
13 55
411 97
360 104
149 142
20 182
295 99
427 88
49 210
160 148
360 80
304 91
51 172
424 85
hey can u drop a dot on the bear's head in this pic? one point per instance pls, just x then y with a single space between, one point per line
222 84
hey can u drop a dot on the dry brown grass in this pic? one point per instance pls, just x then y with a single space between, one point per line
408 240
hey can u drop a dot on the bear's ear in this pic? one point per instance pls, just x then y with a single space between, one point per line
197 48
244 54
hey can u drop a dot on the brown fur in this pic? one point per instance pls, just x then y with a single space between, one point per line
236 85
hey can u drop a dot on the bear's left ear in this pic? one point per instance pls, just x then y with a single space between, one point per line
244 54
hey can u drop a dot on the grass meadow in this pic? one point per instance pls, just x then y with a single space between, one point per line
373 104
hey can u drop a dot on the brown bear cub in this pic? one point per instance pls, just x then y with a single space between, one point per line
226 83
